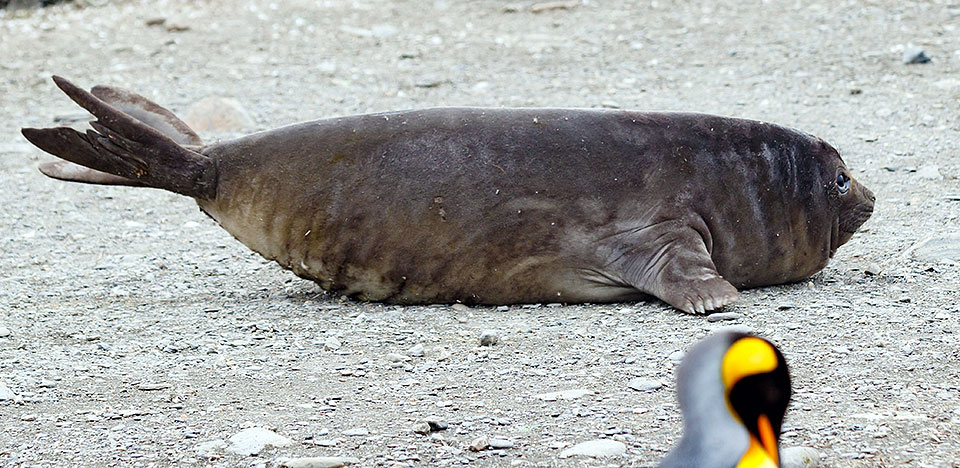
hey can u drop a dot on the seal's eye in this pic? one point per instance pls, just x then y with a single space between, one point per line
843 182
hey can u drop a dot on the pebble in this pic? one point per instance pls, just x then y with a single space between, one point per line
914 54
873 269
421 428
596 448
332 343
461 308
4 332
799 457
316 462
416 351
500 444
394 357
564 395
210 449
253 440
218 114
480 443
935 249
676 356
437 424
929 172
356 432
641 384
724 316
489 338
557 5
786 305
6 393
152 387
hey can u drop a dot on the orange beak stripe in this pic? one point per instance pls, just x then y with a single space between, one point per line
767 438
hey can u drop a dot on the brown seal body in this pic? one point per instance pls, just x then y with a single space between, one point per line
497 206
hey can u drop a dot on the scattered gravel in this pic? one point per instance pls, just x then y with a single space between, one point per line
107 288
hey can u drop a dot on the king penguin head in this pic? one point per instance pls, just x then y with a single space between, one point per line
734 390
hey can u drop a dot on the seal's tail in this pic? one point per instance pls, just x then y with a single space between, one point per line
133 142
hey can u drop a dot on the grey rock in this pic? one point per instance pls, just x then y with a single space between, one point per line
421 427
935 249
645 385
676 356
497 443
332 343
316 462
718 317
929 172
564 394
356 432
394 357
598 448
152 387
4 332
218 114
5 393
489 338
437 424
253 440
480 443
799 457
416 351
914 54
211 449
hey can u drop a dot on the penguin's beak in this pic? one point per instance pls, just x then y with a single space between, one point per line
758 390
768 439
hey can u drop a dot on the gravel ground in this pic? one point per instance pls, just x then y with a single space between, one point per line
133 330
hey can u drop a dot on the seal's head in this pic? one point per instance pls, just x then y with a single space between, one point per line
852 202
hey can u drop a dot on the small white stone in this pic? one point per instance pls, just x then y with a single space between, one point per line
799 457
6 393
596 448
253 440
316 462
211 449
929 172
332 343
416 351
4 332
356 432
645 385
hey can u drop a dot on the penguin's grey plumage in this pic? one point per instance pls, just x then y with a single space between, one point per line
712 436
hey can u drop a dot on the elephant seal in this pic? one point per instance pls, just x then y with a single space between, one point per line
495 206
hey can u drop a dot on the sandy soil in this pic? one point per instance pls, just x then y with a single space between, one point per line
139 330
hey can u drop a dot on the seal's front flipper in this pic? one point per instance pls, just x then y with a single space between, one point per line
671 260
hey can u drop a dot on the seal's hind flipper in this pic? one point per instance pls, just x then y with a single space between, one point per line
149 113
65 170
124 146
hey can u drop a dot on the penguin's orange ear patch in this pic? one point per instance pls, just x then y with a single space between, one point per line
747 356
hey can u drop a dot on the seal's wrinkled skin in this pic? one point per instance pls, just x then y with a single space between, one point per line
497 206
